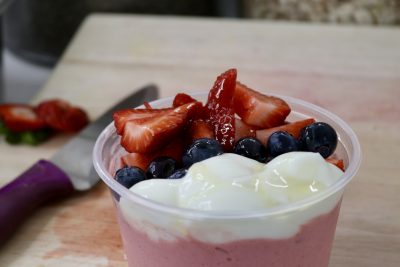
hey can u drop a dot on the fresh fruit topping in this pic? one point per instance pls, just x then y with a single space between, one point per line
220 110
201 149
161 167
281 142
19 118
173 149
319 137
178 174
198 111
257 109
199 129
244 130
149 134
294 128
61 116
250 147
182 99
337 162
142 160
147 105
121 117
157 138
128 176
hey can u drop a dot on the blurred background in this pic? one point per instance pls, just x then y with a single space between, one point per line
35 32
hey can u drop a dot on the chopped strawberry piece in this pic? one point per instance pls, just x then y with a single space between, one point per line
293 128
121 117
337 162
257 109
220 110
147 105
142 160
199 129
196 110
174 150
244 130
148 134
137 160
60 115
182 99
19 117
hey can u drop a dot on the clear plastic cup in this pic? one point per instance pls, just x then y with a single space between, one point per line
298 234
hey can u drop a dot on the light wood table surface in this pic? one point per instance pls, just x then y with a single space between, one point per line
351 71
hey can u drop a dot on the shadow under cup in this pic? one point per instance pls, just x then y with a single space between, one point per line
298 234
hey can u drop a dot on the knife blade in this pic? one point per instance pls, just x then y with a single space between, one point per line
70 169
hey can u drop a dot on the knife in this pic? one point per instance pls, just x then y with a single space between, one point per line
69 170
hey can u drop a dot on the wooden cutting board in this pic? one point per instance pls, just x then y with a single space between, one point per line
352 71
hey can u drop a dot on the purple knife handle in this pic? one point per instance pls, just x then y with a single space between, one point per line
40 183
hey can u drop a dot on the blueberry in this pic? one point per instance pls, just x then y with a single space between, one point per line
201 149
178 174
250 147
281 142
161 167
128 176
319 137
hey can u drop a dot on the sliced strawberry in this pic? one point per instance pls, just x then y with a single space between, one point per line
174 150
146 135
199 129
19 117
142 160
61 116
182 99
137 160
196 110
244 130
337 162
293 128
257 109
220 110
121 117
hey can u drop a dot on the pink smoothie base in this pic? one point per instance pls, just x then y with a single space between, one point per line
310 247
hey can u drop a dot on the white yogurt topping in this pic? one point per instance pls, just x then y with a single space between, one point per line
232 182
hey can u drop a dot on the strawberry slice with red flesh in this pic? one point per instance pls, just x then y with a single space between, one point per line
219 109
294 128
139 160
257 109
244 130
142 160
61 116
146 135
121 117
199 129
182 99
19 118
337 162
